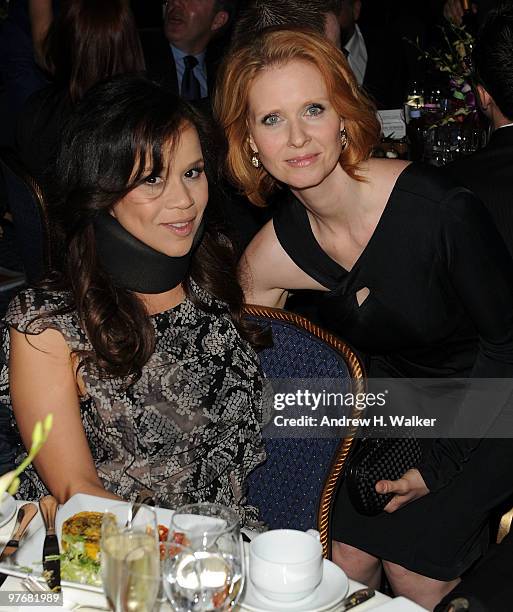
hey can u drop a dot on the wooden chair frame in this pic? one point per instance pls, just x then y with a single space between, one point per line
358 385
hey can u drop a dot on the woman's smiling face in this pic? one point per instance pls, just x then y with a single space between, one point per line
165 211
293 124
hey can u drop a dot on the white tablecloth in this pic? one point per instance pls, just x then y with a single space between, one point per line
77 596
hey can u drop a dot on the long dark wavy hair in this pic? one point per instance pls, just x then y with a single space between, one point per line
114 130
92 40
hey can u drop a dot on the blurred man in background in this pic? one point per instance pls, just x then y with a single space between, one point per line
182 56
489 171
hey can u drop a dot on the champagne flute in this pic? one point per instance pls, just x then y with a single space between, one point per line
212 533
129 544
140 582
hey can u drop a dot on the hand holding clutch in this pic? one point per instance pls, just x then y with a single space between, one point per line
409 487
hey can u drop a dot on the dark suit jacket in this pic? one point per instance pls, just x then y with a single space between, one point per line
386 74
489 174
160 63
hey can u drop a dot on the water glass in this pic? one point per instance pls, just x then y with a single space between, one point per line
211 534
181 576
129 545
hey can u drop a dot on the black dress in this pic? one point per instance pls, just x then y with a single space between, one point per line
440 305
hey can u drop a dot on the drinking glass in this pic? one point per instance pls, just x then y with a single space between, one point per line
129 545
140 583
211 534
181 576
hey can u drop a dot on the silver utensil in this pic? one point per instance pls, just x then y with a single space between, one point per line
51 554
33 586
25 514
460 604
356 598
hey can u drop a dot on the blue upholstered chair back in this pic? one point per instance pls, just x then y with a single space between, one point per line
288 486
26 206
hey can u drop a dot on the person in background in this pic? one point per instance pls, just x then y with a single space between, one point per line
136 343
182 55
22 37
41 14
260 14
375 55
489 171
414 276
89 41
454 10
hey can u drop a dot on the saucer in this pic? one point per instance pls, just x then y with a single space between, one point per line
332 589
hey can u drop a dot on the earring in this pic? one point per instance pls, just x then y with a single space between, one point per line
343 138
255 160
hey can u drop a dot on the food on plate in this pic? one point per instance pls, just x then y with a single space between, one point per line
80 559
81 548
163 531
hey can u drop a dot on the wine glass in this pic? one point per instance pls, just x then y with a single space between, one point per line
181 576
129 544
211 533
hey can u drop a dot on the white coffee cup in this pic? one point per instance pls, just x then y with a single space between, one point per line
285 564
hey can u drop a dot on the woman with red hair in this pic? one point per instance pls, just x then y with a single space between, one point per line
412 273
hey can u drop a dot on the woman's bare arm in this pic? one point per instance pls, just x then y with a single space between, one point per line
267 272
42 380
41 17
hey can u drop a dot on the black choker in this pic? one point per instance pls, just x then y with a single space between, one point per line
134 265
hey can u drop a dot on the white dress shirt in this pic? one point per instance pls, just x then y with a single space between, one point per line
357 54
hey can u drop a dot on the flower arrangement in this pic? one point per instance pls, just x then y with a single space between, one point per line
10 481
452 59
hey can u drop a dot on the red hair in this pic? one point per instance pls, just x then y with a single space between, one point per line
278 47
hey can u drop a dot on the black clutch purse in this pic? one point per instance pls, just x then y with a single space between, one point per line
379 459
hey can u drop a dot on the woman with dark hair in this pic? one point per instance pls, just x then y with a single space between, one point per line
412 273
88 42
138 347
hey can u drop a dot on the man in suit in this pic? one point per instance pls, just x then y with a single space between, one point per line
489 171
182 55
375 56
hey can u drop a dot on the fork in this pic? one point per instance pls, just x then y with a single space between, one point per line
33 586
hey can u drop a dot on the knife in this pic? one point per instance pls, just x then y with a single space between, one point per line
51 554
25 514
357 598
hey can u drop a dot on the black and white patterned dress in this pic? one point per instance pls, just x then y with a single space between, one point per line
188 430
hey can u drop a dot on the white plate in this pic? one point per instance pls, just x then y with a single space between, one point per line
332 589
29 555
7 508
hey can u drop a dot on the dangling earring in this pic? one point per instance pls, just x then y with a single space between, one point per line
255 160
343 138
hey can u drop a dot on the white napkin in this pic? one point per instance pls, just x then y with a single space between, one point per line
400 604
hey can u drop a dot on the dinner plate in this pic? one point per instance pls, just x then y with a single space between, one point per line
7 508
331 590
28 558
